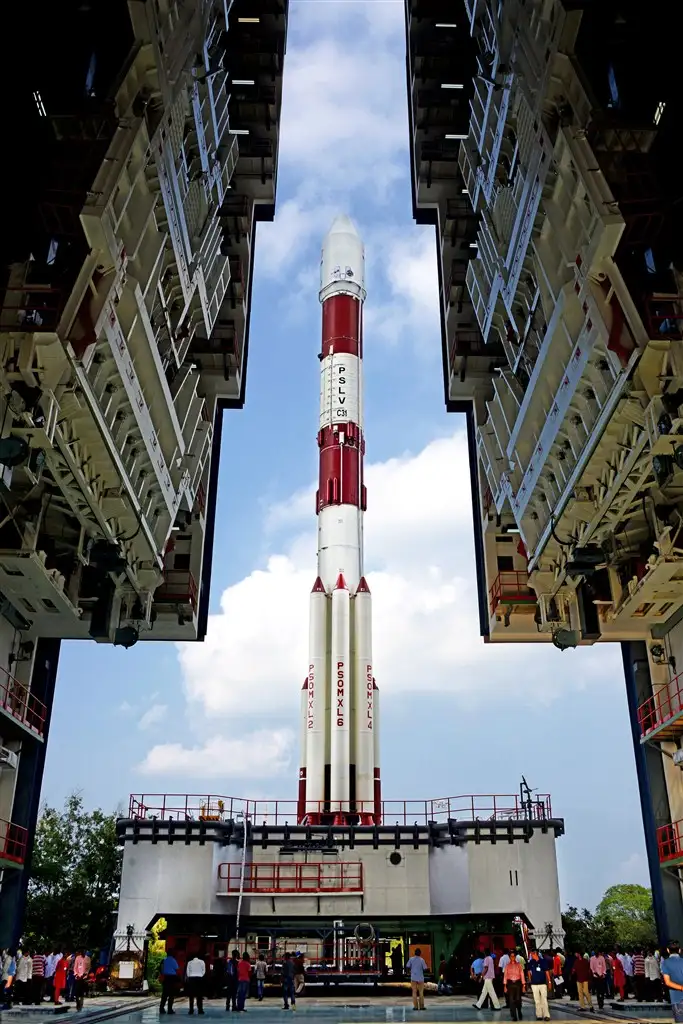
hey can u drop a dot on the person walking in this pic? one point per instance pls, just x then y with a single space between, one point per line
488 975
558 973
9 970
24 978
514 986
261 971
288 994
582 973
169 981
194 982
540 978
82 964
417 967
672 974
598 967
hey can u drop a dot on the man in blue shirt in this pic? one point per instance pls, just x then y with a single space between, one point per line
672 973
540 979
417 967
169 980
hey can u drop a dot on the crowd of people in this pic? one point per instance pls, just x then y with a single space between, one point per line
32 978
644 975
232 979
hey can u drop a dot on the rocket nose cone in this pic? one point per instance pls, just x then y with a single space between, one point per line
318 587
341 582
363 587
343 225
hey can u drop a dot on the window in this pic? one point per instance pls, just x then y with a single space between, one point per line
506 563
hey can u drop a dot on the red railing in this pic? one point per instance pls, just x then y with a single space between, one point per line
194 807
488 501
329 877
179 587
670 842
13 841
511 587
16 700
661 707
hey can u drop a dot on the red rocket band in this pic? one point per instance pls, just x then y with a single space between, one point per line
339 778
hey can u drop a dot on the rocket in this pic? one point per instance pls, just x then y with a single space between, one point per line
339 777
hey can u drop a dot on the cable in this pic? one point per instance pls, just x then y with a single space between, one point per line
562 543
242 873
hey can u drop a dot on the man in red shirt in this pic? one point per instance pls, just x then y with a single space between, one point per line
583 974
513 986
243 980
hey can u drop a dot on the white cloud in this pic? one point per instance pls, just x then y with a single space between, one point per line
125 708
259 755
153 716
425 620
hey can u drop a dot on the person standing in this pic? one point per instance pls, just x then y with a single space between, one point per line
638 960
488 975
618 977
38 984
540 979
598 967
443 988
582 973
59 979
81 970
299 973
653 977
194 977
627 964
288 993
417 967
672 973
513 986
24 978
243 981
231 981
558 973
169 981
70 978
51 961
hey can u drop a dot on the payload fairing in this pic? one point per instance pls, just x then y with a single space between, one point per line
339 778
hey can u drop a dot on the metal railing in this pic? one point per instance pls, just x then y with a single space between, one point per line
197 807
13 842
510 587
661 707
178 587
17 701
670 842
333 876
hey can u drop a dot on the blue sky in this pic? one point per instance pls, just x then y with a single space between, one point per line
457 717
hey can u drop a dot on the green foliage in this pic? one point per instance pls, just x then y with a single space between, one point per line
75 879
629 909
624 917
157 943
154 961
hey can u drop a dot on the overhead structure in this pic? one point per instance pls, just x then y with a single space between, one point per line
542 133
339 775
144 143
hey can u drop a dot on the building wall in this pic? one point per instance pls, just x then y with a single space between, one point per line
179 879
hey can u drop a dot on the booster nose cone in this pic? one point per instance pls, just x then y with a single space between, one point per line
342 267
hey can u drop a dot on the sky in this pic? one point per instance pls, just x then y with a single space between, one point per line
458 716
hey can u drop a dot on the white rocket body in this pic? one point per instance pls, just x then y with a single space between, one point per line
339 777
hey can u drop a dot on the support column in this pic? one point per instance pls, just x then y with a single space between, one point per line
667 898
27 795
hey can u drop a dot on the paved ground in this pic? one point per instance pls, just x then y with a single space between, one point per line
333 1009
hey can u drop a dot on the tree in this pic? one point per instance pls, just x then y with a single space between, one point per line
629 909
585 933
75 879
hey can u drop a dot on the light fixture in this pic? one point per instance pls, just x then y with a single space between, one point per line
457 136
238 131
243 81
452 85
659 111
446 24
249 21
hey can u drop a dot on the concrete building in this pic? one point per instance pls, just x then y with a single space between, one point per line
447 875
144 142
542 134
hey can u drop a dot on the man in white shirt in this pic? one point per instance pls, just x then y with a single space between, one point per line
23 978
194 983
